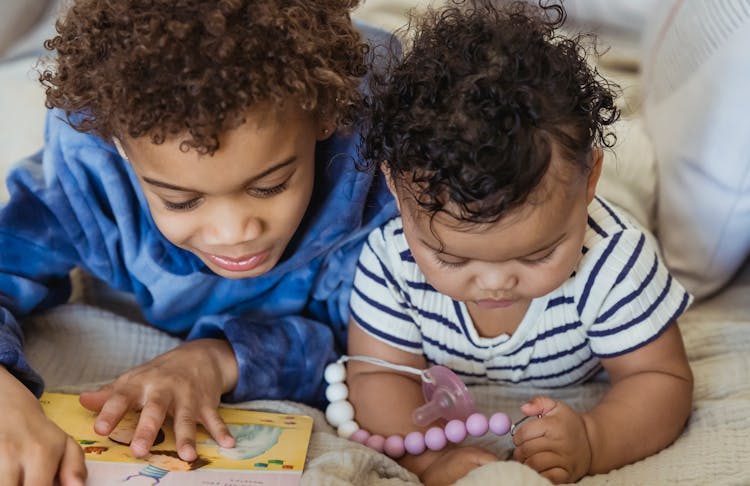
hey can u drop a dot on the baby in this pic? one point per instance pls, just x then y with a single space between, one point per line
505 265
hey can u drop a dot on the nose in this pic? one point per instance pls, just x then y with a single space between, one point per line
232 224
497 281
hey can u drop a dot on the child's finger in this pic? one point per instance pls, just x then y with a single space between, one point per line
215 426
39 469
530 430
556 475
72 470
95 400
184 431
10 471
530 447
111 413
544 461
151 419
538 405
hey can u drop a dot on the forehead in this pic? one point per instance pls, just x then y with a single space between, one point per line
545 217
263 140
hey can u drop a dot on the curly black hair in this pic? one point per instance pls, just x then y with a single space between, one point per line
471 112
193 68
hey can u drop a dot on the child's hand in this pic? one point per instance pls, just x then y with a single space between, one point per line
454 464
33 450
186 382
556 445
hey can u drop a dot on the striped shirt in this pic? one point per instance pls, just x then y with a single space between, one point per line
620 297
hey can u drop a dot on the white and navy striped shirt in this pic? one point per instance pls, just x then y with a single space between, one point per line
620 298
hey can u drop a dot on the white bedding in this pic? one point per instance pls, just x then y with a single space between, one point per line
77 347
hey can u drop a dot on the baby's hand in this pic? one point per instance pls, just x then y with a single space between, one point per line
454 464
556 445
186 382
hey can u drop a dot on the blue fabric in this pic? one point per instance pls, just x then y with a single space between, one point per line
77 203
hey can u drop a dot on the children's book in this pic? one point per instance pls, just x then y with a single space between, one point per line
270 449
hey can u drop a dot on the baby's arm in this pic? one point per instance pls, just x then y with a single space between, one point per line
33 450
384 401
644 411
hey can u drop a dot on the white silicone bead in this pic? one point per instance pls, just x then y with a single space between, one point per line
334 373
346 429
337 391
339 412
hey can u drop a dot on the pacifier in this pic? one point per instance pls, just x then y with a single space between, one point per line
445 395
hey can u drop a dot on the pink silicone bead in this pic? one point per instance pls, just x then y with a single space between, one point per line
435 438
414 443
394 446
477 424
375 442
360 436
455 431
499 423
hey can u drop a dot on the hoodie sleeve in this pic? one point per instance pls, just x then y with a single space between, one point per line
35 261
280 358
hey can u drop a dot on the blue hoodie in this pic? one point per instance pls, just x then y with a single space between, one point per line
78 203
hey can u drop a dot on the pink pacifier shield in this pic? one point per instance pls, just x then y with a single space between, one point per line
445 396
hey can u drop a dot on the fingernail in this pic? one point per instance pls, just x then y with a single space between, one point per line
227 441
139 447
187 453
102 427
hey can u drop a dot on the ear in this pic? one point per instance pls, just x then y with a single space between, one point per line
391 184
118 145
597 156
325 130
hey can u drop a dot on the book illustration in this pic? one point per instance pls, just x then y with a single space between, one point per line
270 449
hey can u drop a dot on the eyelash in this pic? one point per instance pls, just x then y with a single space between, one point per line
539 261
183 206
449 265
454 265
270 191
258 192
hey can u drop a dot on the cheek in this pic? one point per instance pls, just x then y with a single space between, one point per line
561 270
284 214
175 227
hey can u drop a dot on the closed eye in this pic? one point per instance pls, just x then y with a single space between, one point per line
445 264
264 192
182 206
539 261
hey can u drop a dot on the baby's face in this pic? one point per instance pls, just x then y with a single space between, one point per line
525 255
238 209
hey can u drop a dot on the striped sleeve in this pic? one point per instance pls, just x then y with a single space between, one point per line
641 298
379 305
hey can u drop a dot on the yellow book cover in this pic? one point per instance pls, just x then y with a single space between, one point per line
270 449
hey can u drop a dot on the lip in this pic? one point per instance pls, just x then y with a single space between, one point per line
243 263
494 304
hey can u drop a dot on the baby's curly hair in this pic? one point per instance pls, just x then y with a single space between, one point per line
471 112
162 68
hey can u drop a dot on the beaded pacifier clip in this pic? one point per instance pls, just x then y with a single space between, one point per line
446 397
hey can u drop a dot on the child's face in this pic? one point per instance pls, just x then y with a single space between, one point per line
499 265
238 209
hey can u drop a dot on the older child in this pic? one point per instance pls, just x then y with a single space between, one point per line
504 265
191 159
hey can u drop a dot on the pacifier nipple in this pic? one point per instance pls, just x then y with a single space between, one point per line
446 396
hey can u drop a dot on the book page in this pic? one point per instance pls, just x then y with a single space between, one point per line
270 449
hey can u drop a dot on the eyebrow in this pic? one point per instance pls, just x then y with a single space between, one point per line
538 250
249 181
